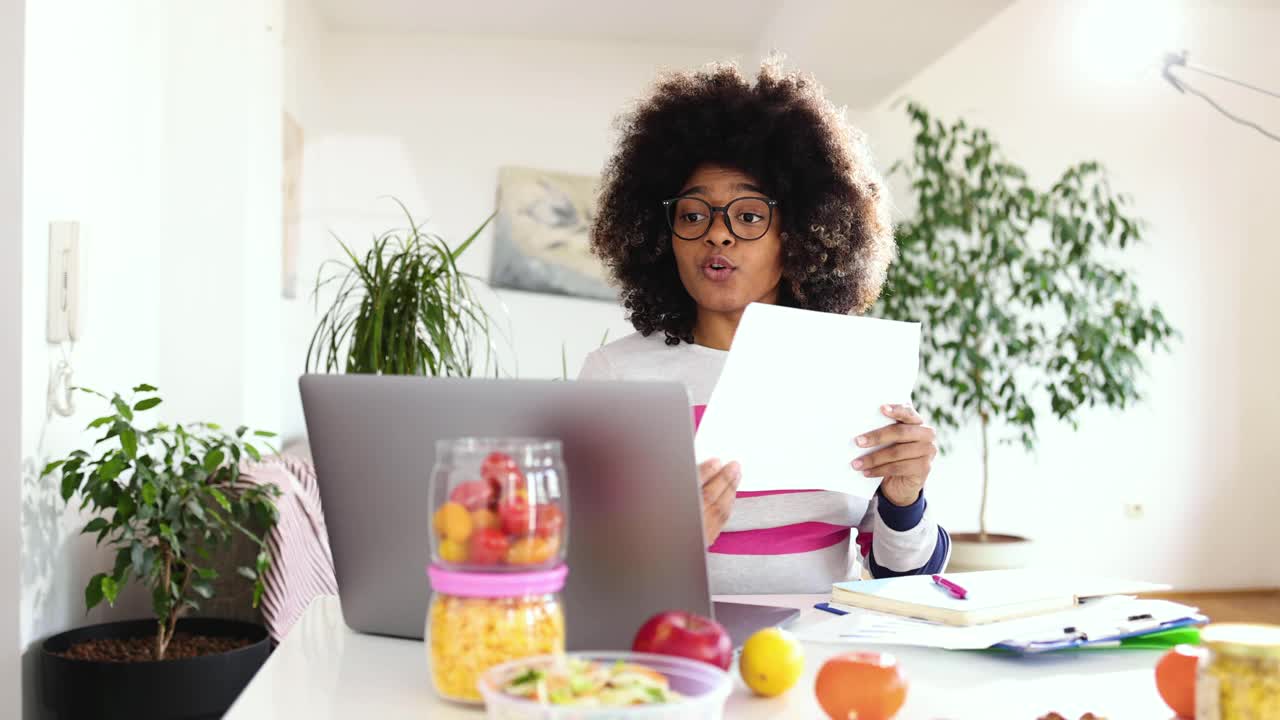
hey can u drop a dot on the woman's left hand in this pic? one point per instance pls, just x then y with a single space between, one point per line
905 462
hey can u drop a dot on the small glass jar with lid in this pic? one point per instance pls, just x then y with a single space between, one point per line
1239 677
478 620
499 505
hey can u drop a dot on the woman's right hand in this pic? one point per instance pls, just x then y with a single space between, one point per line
719 486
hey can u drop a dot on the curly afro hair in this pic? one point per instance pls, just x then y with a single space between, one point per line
837 237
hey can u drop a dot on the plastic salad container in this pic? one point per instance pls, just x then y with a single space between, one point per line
702 689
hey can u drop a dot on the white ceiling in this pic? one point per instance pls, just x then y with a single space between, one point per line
708 23
860 49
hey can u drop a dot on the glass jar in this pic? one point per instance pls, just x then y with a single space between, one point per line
499 505
478 620
1239 679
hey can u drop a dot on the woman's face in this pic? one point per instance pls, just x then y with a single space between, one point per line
724 273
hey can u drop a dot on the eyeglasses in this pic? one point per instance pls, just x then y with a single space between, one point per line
748 218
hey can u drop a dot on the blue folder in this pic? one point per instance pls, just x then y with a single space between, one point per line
1072 639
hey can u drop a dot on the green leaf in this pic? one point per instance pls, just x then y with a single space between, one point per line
129 442
144 388
203 589
240 431
207 573
104 420
122 407
247 573
70 483
264 434
253 452
110 589
121 570
147 404
93 591
51 467
148 493
219 497
95 525
213 460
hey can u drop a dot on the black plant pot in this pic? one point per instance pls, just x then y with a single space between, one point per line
185 689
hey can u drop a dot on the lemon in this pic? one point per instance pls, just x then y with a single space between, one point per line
772 661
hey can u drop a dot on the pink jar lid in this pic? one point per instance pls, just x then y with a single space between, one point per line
472 584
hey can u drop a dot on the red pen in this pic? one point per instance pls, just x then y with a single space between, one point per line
956 591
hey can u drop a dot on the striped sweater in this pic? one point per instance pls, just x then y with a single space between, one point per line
786 541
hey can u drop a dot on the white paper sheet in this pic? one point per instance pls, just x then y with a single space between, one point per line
797 388
1103 617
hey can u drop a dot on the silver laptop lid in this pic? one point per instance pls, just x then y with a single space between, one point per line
635 536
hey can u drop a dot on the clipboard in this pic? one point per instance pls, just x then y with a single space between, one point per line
1073 638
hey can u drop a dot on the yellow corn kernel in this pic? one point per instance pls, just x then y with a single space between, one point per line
467 636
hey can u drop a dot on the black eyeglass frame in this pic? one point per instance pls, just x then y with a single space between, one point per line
723 210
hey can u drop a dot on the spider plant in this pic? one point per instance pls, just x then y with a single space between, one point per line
403 308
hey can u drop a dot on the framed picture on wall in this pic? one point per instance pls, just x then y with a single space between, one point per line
540 235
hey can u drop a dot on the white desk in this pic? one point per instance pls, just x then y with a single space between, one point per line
323 670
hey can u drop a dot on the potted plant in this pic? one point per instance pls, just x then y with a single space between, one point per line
167 499
403 308
1020 297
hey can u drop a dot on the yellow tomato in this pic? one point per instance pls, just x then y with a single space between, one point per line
772 661
485 519
530 551
452 521
453 551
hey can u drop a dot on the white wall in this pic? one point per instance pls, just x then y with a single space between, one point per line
1062 82
11 60
160 134
430 119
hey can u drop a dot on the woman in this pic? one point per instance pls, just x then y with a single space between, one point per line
723 192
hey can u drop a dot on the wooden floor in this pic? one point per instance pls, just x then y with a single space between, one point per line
1255 606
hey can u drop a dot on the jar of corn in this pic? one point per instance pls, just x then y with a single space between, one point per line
1240 677
478 620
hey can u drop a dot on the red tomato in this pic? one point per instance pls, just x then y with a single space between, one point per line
1176 679
501 472
865 685
549 520
487 547
517 516
473 495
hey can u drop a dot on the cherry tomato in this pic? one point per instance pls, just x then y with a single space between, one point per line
473 495
483 519
502 473
452 521
531 551
452 551
517 516
549 521
488 547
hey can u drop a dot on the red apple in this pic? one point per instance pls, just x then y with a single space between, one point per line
684 634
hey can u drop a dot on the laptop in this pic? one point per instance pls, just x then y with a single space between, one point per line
635 519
